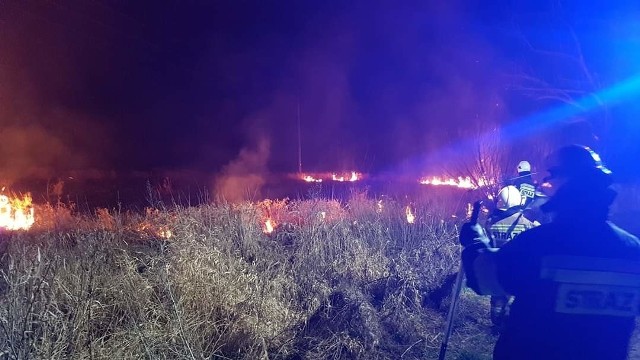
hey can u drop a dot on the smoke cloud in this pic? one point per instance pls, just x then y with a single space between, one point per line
46 129
243 177
34 152
376 87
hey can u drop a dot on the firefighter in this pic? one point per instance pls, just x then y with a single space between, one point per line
525 184
504 224
576 280
532 197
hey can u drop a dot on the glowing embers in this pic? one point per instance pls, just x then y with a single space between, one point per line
16 213
154 225
156 231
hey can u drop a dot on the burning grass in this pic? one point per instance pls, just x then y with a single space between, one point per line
335 280
16 212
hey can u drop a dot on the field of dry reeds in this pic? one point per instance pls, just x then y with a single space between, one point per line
334 280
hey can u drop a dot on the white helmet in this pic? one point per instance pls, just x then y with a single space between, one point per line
508 197
524 166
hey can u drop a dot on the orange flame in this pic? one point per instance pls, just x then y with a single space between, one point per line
268 226
334 176
16 213
148 229
354 177
461 182
165 233
309 178
411 218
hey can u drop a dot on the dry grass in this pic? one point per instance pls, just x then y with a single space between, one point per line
334 281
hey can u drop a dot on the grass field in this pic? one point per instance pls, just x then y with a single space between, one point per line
350 280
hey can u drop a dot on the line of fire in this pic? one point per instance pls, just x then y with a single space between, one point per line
459 185
18 211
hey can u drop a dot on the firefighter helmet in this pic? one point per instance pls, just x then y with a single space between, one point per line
524 166
508 197
580 163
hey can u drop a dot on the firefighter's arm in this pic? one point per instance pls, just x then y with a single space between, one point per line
480 261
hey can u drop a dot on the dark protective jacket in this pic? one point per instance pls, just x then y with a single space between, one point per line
576 283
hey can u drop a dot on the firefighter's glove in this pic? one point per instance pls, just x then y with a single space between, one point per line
473 234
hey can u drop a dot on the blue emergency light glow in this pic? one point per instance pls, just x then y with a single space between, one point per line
615 94
618 93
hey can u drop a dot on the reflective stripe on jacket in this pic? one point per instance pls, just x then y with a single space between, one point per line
576 288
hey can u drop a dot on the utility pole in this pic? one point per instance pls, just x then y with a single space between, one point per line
299 142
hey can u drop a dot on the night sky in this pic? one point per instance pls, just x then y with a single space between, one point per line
140 85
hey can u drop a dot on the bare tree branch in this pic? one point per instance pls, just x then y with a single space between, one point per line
571 79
